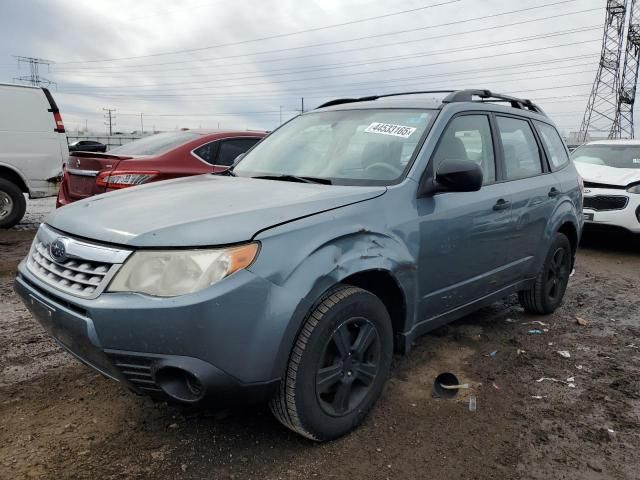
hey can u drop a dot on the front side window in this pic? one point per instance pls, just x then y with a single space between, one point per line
348 147
468 137
521 153
617 156
554 144
155 144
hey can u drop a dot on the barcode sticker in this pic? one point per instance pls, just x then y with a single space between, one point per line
390 129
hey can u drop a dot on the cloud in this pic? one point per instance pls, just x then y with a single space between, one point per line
550 54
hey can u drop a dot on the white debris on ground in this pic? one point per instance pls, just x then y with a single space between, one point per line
37 210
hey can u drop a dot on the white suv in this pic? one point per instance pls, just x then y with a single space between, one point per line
33 147
611 173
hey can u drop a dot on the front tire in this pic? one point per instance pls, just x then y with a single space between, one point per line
12 204
546 294
338 365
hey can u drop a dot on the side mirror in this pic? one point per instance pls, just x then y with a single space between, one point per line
454 176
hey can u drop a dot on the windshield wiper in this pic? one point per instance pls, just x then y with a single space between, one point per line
294 178
228 171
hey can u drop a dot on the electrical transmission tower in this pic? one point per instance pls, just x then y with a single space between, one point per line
603 101
34 77
110 119
623 123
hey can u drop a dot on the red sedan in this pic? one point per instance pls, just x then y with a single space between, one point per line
149 159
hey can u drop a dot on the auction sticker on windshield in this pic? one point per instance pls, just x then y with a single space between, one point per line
390 129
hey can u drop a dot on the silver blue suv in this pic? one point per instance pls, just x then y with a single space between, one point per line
339 238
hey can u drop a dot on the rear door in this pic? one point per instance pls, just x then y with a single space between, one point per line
534 190
462 234
32 137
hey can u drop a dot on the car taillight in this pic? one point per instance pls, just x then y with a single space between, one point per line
124 178
59 124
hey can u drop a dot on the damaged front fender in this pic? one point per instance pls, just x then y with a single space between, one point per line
307 260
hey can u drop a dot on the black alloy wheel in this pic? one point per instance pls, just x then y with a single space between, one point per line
349 366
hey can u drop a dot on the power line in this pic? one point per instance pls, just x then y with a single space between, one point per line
215 114
109 72
258 94
405 67
280 35
395 58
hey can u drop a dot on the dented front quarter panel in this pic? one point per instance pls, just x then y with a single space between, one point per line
310 255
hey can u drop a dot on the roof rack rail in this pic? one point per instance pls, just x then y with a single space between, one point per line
489 96
340 101
453 96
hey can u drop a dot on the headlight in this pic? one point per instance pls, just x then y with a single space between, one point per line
169 273
634 188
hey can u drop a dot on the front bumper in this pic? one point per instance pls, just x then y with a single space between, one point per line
220 345
627 217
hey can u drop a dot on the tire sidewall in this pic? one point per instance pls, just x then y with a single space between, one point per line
19 203
560 241
313 417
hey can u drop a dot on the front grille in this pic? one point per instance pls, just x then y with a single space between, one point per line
137 370
78 277
85 269
606 202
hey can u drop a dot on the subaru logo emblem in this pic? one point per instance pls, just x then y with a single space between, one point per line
58 250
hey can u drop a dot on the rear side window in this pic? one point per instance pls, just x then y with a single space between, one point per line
554 145
207 152
230 149
521 153
468 137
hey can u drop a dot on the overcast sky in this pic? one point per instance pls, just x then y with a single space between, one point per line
196 63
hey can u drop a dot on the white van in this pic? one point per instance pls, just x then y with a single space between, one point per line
33 146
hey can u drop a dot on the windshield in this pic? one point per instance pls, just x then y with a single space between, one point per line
154 144
618 156
347 147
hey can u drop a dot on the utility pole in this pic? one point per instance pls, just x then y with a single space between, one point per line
602 106
141 125
110 119
623 124
280 114
301 104
34 77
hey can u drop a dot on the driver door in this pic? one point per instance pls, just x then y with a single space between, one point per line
463 251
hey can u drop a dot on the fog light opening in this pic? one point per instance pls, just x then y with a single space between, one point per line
180 384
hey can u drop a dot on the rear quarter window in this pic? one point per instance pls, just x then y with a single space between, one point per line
553 144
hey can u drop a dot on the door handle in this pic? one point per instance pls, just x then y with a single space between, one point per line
502 204
554 192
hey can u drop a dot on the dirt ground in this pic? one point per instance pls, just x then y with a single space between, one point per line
58 419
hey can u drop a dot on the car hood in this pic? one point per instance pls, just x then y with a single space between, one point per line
608 175
200 211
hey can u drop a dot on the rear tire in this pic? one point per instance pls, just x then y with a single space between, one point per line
338 365
546 294
12 204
